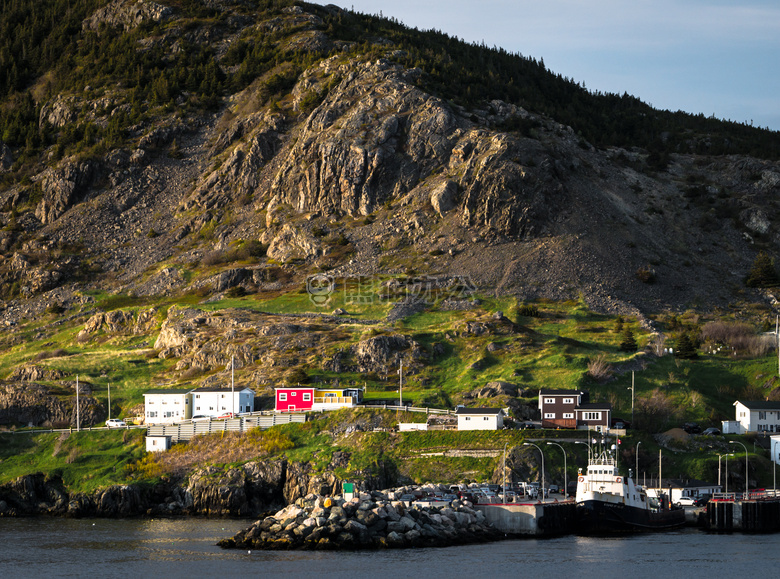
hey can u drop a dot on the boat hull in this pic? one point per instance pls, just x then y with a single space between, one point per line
595 517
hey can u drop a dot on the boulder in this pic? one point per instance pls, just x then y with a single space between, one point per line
443 197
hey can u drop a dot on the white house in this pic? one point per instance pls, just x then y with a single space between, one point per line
758 416
480 418
167 406
217 402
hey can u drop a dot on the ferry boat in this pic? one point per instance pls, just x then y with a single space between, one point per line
610 503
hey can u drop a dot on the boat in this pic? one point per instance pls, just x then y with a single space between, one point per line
607 502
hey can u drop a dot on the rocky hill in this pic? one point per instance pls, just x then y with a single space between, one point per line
188 149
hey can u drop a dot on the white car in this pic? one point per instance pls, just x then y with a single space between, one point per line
686 502
115 423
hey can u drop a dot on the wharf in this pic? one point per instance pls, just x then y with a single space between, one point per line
759 512
531 518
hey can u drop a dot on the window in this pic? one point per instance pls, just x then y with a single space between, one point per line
568 415
568 400
468 417
307 396
592 415
165 402
293 394
197 408
282 396
176 402
223 396
197 396
152 414
168 414
486 418
550 415
549 400
762 415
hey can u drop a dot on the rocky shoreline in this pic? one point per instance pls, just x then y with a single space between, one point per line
375 520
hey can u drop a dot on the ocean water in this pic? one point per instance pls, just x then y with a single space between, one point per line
48 547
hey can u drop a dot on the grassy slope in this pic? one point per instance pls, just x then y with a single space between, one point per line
551 350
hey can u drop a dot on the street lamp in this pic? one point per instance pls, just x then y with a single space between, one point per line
590 450
540 452
504 472
637 462
746 465
727 470
565 479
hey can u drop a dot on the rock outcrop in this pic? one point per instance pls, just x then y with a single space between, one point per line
127 14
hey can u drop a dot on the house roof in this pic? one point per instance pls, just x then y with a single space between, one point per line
594 406
552 392
167 391
759 404
222 390
479 411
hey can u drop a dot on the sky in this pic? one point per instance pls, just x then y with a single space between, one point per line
716 57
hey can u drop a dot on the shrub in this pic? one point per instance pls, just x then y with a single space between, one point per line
645 275
599 369
528 310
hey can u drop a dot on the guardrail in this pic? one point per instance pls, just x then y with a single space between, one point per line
753 495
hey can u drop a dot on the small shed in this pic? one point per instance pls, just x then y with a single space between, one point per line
480 418
158 443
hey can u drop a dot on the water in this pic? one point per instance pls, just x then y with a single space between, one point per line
101 548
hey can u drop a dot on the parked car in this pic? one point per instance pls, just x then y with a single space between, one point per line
711 431
115 423
686 502
553 489
691 428
200 417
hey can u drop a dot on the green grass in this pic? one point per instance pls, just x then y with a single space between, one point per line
85 460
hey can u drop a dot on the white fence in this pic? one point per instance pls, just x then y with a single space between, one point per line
240 424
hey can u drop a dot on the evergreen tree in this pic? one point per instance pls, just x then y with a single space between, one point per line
628 344
762 272
619 324
686 349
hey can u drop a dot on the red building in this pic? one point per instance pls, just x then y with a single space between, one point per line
298 399
304 399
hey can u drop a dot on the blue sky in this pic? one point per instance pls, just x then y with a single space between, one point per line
701 56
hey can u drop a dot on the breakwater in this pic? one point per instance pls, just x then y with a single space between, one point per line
367 521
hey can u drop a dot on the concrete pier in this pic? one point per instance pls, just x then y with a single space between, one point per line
533 519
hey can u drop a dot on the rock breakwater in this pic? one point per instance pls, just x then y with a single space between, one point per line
374 520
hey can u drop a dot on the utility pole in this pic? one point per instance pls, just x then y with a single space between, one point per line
109 400
401 383
78 420
232 386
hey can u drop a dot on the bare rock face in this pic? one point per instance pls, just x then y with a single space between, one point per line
127 14
6 158
372 137
62 187
292 243
32 403
59 111
374 354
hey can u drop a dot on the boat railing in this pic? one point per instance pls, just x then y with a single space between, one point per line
603 460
